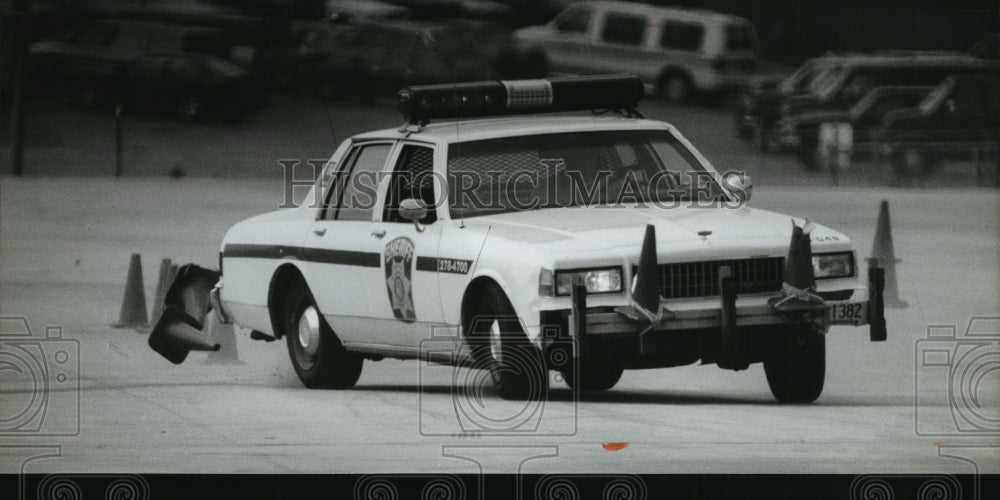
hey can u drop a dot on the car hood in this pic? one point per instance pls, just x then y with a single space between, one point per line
619 231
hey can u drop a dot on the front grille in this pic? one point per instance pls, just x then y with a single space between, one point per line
701 279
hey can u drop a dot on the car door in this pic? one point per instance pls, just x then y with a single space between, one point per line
408 306
341 266
622 45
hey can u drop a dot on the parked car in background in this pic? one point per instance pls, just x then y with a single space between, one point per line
377 58
856 124
98 50
676 52
961 115
841 86
759 105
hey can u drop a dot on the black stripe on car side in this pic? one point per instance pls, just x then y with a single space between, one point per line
343 257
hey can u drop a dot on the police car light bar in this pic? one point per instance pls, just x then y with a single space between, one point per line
421 103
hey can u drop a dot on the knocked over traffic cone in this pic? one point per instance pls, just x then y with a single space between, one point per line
161 288
190 290
798 291
882 249
225 336
133 313
177 333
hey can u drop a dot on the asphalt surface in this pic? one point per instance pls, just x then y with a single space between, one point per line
65 249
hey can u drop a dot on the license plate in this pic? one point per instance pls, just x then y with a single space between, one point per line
855 313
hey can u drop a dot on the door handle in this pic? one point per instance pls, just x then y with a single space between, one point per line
320 231
378 233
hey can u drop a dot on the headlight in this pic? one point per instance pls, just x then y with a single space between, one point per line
833 265
603 280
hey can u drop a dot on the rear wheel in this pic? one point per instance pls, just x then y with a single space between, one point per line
499 343
796 368
317 355
912 160
191 109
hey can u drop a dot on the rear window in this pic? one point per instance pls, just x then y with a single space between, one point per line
681 36
740 37
624 28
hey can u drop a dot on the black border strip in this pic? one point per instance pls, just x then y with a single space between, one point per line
321 255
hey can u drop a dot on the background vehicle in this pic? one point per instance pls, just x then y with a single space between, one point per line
863 119
960 116
377 58
676 52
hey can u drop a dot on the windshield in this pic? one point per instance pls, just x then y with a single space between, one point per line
574 169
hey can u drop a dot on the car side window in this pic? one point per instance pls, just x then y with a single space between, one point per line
413 177
627 29
681 36
574 21
358 197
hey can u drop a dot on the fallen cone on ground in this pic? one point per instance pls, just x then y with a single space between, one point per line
176 334
883 251
133 312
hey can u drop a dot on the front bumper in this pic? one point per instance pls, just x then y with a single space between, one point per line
732 322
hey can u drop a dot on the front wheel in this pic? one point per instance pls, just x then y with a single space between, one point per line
674 87
796 368
499 343
593 377
317 355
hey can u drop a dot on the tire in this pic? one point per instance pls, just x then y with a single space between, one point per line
796 369
191 110
808 154
674 87
499 343
594 377
319 359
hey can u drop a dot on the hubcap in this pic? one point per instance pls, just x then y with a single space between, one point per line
190 109
495 341
675 89
309 331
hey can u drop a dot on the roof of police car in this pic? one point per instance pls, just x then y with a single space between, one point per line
512 126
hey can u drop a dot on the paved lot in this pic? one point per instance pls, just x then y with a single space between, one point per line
63 257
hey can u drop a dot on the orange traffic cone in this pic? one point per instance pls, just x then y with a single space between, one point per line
225 336
161 288
133 313
883 251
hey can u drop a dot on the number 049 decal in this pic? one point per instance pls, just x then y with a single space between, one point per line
398 258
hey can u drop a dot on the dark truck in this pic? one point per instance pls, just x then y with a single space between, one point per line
841 87
759 105
958 117
863 119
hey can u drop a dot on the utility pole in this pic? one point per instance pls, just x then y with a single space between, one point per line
20 16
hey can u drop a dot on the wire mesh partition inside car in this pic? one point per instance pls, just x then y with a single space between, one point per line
701 279
569 169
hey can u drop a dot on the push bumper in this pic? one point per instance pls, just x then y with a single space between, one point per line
728 318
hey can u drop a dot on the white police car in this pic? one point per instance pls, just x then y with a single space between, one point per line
583 244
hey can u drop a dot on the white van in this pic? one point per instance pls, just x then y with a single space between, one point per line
675 51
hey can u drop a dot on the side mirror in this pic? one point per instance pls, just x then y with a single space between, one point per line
740 186
413 210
